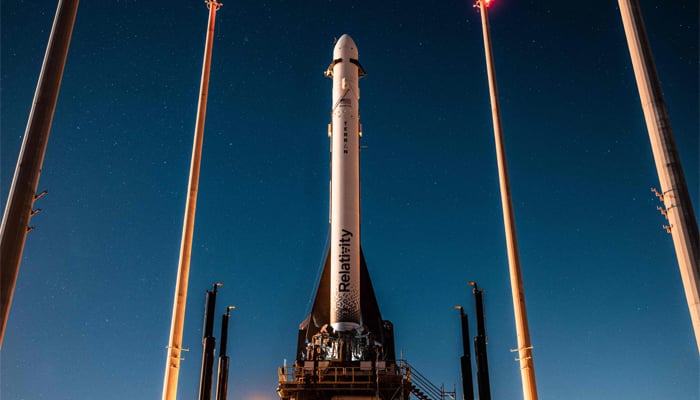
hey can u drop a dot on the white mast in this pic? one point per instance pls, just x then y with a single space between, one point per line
677 207
172 365
527 366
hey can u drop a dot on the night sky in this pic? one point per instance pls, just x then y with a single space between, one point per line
92 308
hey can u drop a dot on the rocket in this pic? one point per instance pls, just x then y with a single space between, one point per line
344 132
345 308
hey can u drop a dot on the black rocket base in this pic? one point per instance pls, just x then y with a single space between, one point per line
332 365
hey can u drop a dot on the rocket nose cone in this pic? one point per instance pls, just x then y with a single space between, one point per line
345 48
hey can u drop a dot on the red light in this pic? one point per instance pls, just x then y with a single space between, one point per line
484 3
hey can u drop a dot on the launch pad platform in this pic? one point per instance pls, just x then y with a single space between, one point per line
357 380
327 380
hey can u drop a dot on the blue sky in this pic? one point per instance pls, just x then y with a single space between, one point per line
91 312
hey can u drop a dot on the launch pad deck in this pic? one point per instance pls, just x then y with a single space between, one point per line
328 380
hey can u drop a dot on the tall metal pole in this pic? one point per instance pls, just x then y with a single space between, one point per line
172 365
527 366
18 210
466 359
675 196
222 378
482 362
209 344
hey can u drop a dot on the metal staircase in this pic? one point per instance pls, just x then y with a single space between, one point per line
423 389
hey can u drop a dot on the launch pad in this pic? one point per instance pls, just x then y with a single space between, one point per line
336 380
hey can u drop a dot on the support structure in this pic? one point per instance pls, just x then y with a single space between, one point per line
18 210
466 359
222 378
172 364
482 362
208 344
527 366
677 207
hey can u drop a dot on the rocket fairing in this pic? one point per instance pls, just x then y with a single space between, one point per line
344 133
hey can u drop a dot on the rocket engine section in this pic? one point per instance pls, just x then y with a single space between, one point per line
344 133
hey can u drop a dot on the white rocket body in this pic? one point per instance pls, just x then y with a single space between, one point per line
344 132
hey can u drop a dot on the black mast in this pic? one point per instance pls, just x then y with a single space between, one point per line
466 359
222 378
482 364
209 343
